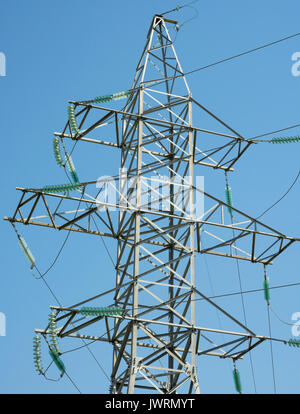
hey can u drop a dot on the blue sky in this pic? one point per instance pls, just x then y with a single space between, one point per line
57 51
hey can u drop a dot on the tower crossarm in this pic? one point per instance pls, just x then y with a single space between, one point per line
246 238
210 341
228 146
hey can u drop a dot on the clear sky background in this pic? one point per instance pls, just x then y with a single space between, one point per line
58 51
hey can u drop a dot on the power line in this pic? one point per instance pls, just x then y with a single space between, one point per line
246 52
69 232
196 15
218 62
243 53
271 350
59 303
273 132
242 296
282 197
86 345
282 321
90 343
224 295
73 382
79 347
42 275
179 7
213 292
103 241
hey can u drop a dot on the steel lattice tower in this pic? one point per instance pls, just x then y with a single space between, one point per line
160 227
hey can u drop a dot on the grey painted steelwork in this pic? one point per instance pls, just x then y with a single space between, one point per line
157 338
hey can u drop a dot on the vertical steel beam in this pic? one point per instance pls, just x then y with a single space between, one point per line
192 256
135 302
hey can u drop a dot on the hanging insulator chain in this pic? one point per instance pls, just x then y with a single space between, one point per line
57 361
266 286
72 120
228 198
61 188
29 256
53 332
285 140
228 195
113 97
237 379
294 342
106 311
57 154
72 169
37 355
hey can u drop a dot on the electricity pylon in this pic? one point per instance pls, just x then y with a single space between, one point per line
161 226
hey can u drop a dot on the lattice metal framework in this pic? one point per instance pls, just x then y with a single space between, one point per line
160 226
